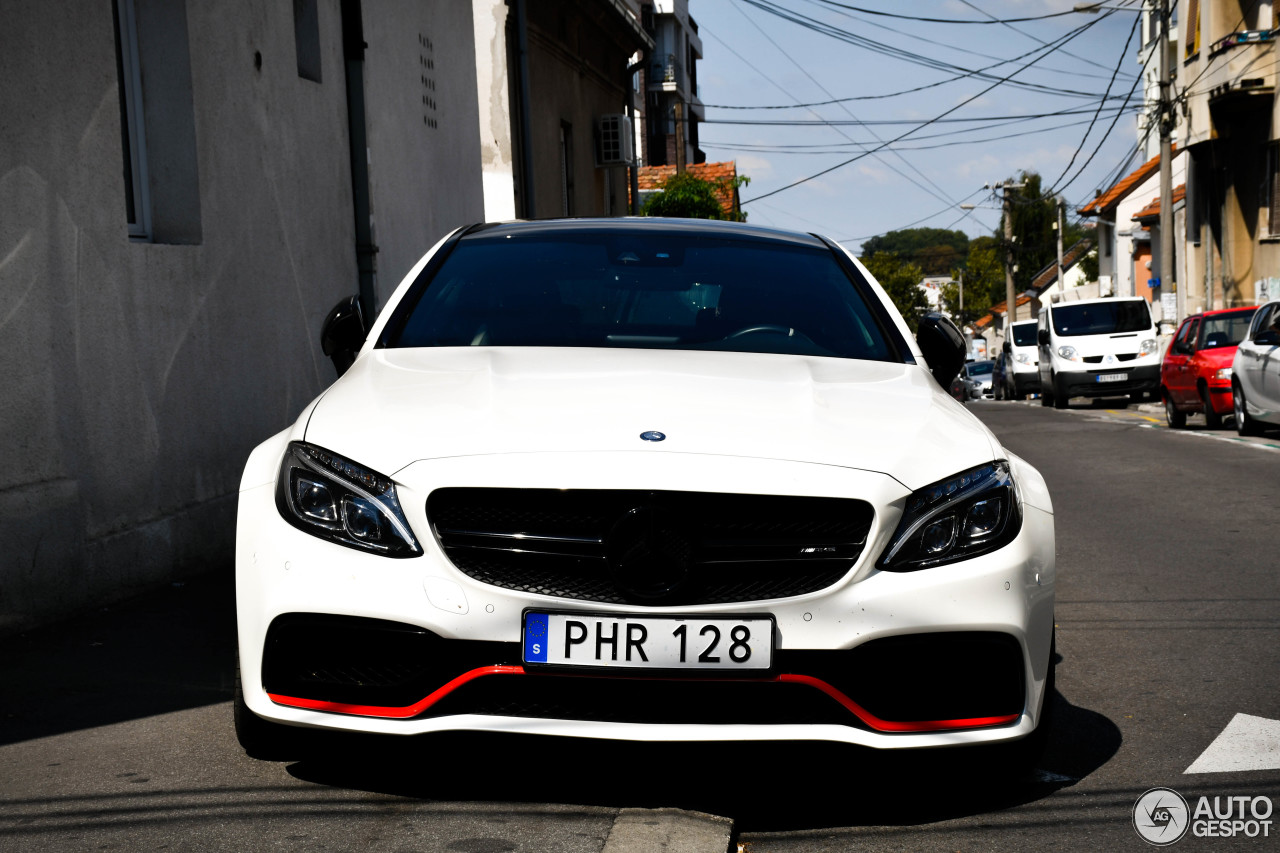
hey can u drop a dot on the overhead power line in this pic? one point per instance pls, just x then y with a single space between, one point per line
1043 51
922 19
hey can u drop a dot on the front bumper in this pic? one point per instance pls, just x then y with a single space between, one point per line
1085 383
965 642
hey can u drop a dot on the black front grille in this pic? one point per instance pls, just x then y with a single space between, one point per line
649 547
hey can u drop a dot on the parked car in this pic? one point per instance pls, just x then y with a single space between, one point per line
1097 348
977 379
652 479
1022 375
1255 373
1195 375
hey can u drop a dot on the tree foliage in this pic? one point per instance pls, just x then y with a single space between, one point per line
983 281
1035 240
901 280
688 196
935 250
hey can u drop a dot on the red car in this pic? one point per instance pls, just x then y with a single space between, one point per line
1195 376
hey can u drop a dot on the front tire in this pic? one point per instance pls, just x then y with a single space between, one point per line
1211 418
1059 400
263 739
1245 425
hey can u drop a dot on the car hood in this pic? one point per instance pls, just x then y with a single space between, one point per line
397 406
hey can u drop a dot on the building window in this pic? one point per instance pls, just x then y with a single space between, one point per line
566 168
157 121
1192 37
132 128
306 38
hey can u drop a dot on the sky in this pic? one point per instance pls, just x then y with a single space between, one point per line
754 57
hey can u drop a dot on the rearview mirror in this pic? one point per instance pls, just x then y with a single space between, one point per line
942 345
1042 336
1267 338
343 333
1008 347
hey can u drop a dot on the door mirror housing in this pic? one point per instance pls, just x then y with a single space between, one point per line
1267 338
343 333
1042 336
1008 347
943 347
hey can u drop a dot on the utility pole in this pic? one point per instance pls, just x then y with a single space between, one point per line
1061 284
1167 277
1010 304
679 109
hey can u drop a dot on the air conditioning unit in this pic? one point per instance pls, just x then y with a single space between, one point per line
613 140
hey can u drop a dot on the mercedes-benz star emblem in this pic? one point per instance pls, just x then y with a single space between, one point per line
650 554
653 435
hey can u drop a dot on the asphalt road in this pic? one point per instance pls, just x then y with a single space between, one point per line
115 727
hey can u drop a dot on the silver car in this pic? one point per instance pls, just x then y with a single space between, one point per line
1255 373
977 379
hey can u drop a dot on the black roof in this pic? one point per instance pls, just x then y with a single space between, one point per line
647 224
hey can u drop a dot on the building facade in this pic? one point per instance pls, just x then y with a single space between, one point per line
186 190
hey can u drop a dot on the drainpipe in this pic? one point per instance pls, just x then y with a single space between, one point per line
366 252
526 121
634 169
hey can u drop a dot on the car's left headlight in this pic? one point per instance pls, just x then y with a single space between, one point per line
958 518
334 498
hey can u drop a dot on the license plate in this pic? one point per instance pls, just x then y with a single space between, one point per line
1112 377
648 642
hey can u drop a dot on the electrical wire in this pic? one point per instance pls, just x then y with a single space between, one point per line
922 19
1046 49
1123 53
907 55
1074 56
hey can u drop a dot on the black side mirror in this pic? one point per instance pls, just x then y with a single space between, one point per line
1182 347
1267 338
1008 347
343 333
1042 336
942 345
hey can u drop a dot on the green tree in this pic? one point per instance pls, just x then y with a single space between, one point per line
1035 239
901 280
1089 266
983 281
935 250
687 196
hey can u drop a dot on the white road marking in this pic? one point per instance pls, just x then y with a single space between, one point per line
1247 743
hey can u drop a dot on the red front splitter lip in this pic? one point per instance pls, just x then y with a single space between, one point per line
869 719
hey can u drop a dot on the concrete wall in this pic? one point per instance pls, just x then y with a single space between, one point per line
424 128
136 376
493 97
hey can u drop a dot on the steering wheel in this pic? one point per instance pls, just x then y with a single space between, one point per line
763 327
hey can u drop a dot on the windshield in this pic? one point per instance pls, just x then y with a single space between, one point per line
1024 335
1101 318
642 290
1225 330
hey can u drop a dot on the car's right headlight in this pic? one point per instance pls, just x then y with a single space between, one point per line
1022 358
329 496
972 513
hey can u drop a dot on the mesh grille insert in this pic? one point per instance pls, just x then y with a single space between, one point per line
649 547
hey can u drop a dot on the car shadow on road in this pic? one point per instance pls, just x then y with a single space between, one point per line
763 787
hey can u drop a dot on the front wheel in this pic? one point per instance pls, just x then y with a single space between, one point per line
1211 418
263 739
1174 418
1245 425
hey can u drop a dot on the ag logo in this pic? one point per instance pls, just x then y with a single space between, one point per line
1161 816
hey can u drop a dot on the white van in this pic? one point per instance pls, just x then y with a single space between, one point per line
1097 348
1022 361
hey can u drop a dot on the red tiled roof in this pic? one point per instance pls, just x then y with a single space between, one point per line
720 174
1151 211
1123 187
